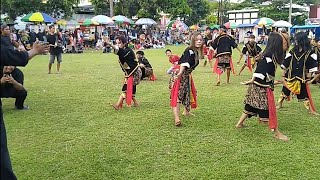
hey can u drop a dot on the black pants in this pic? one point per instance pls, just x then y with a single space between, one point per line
20 96
6 168
124 89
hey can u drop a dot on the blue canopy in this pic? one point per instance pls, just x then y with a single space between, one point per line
245 25
305 27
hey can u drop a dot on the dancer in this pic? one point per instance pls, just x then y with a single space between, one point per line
11 57
222 45
183 90
207 42
259 99
251 50
132 72
145 66
297 67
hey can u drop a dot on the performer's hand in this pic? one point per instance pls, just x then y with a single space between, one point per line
40 48
4 80
246 82
11 80
177 76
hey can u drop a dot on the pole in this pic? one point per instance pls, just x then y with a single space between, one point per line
111 7
111 11
290 11
219 9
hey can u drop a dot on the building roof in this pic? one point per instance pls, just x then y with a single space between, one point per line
243 11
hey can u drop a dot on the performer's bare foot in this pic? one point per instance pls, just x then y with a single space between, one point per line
177 122
279 106
314 113
187 114
281 136
240 125
115 106
49 72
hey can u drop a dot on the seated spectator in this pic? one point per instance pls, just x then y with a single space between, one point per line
99 44
131 44
106 47
11 85
146 68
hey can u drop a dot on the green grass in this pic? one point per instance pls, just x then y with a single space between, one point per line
71 132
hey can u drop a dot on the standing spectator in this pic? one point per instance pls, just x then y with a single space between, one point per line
55 48
285 41
33 37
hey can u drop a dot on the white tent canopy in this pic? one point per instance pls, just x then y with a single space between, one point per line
282 24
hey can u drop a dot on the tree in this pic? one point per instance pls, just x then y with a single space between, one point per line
59 8
199 11
100 7
127 8
56 8
15 8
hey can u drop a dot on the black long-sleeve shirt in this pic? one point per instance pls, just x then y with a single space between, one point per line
223 44
127 59
265 72
297 64
11 57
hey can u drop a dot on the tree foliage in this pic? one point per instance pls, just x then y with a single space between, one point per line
56 8
189 10
100 7
199 11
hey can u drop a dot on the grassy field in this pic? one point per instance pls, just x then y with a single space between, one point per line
71 131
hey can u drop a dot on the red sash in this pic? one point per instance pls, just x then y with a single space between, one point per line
175 92
210 55
249 64
216 69
313 108
153 77
219 71
193 94
129 94
273 120
232 67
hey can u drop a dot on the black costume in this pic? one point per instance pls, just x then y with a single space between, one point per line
147 69
223 44
129 66
256 100
297 66
9 57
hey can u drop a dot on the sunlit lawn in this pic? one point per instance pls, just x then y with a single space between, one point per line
71 131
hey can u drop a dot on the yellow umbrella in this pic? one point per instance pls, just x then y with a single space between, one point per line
62 22
194 27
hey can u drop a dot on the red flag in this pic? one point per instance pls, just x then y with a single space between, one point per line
249 64
273 120
313 108
129 90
